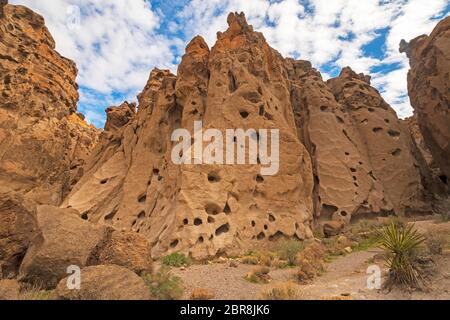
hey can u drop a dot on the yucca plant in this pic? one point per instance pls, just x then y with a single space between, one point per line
401 244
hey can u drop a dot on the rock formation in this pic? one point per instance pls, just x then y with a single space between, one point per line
131 181
428 85
363 163
343 152
42 140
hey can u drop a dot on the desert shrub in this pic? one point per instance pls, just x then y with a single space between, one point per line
259 275
202 294
400 245
435 243
176 260
37 294
288 250
164 286
282 291
251 260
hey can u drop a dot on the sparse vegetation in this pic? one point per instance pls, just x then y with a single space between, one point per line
401 244
36 294
288 250
202 294
259 275
164 286
435 243
282 291
176 260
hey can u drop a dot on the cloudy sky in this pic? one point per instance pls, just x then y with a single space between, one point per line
116 43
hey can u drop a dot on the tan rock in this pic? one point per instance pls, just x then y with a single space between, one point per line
126 249
428 84
42 142
17 230
201 210
64 240
332 228
106 282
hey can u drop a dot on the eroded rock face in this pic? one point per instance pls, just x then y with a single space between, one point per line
363 161
42 140
202 210
428 85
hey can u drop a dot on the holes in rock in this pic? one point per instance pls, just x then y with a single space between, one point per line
7 79
261 110
353 170
327 211
268 116
142 198
198 222
396 152
252 96
271 218
339 119
213 177
232 82
261 236
141 215
201 240
371 110
347 153
227 209
324 108
253 224
344 213
394 133
212 209
185 222
365 121
110 216
386 120
174 243
244 114
223 229
444 179
266 227
211 220
85 216
377 129
277 236
104 181
156 172
259 178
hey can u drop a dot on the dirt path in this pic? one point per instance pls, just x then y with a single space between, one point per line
345 276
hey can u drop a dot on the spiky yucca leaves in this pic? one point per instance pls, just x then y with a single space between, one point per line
401 244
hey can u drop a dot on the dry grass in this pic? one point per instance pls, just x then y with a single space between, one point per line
202 294
281 291
259 275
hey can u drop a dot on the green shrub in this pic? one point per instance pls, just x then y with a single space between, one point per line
401 244
176 260
288 250
164 286
259 275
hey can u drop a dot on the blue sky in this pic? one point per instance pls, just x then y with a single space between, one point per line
116 43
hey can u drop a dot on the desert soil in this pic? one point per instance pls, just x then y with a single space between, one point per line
344 278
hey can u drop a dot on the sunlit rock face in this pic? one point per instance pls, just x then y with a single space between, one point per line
43 141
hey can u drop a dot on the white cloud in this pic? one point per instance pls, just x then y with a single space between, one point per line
118 41
115 45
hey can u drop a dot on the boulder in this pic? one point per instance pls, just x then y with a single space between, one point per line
64 240
17 230
126 249
332 228
105 282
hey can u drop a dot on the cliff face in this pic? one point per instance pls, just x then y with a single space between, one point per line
205 209
42 140
363 161
428 85
343 152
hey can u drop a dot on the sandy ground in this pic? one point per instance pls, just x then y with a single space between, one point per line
345 276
